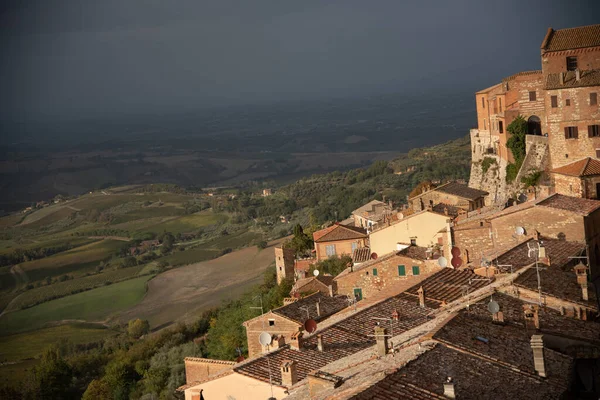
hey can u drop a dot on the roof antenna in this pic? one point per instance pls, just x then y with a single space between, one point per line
265 340
535 248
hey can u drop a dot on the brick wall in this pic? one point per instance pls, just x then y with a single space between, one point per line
580 114
254 327
387 275
555 62
434 197
198 369
568 185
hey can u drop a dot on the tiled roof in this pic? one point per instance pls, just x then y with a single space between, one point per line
473 378
441 208
557 250
361 255
573 204
300 283
296 311
572 38
339 232
522 73
346 337
414 252
590 77
558 282
374 210
585 167
449 285
460 190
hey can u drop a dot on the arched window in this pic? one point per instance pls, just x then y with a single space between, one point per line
534 125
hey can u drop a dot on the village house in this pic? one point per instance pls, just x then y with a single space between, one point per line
371 277
289 319
579 179
424 229
267 192
372 213
452 194
338 240
323 283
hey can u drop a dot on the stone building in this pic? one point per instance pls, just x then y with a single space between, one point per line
284 263
284 321
338 240
559 103
580 178
452 194
365 280
372 213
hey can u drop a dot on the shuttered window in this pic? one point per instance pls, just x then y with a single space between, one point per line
570 132
415 269
401 270
532 96
554 101
500 127
593 99
374 271
330 250
593 130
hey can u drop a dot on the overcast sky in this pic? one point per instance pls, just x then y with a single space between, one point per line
79 58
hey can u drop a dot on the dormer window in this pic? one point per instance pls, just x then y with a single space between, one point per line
571 63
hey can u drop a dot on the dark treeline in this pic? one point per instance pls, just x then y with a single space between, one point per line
23 255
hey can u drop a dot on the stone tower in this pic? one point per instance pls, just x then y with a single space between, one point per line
284 262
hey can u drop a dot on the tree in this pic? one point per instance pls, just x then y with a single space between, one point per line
97 390
137 328
262 244
53 375
516 144
333 265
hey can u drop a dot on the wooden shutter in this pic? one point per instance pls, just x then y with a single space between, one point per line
566 132
401 270
590 133
415 270
575 133
554 101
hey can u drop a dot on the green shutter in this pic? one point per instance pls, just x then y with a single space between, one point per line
415 270
374 271
401 270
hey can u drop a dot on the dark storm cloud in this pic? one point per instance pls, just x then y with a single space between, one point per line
78 58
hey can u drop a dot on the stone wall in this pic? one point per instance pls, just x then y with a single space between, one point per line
198 369
280 326
387 275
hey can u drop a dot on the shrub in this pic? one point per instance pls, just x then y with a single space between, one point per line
511 172
487 163
136 328
531 179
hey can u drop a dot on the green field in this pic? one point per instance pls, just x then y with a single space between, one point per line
52 241
77 260
61 289
188 223
93 305
191 256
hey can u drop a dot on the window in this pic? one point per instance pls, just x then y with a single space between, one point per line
571 63
401 270
374 271
415 270
532 96
554 101
271 322
500 104
593 130
570 132
593 99
484 124
500 127
483 102
330 250
567 102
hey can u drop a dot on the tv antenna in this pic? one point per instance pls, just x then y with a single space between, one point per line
259 308
534 246
307 311
265 340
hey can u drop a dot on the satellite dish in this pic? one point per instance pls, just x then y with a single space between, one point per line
265 339
520 230
374 256
456 262
493 307
310 325
316 272
443 262
455 251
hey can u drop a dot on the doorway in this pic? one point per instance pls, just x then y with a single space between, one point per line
534 125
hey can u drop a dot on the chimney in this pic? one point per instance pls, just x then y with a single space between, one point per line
278 341
320 343
395 315
577 75
581 272
449 388
421 294
537 346
382 340
197 396
561 78
391 204
331 287
531 314
289 375
445 210
296 341
584 291
318 306
498 317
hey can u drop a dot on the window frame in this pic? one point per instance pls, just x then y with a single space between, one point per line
375 272
571 132
271 322
500 127
417 269
401 270
532 95
594 130
567 102
593 96
554 101
571 63
329 247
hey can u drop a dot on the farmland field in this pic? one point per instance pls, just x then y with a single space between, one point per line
61 289
93 305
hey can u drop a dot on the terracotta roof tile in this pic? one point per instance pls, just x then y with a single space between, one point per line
585 167
296 311
522 73
573 204
449 285
460 190
339 232
589 77
557 250
572 38
300 283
